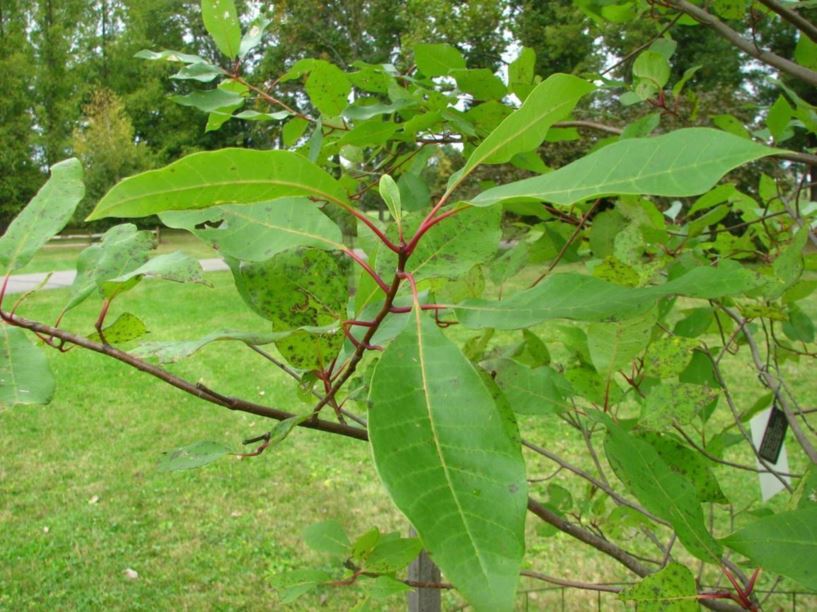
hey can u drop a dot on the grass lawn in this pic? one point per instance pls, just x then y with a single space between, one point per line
81 500
63 255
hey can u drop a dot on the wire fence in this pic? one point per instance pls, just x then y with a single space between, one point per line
567 599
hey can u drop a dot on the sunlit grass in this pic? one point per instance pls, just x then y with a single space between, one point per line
81 500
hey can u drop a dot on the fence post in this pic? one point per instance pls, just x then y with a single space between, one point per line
423 569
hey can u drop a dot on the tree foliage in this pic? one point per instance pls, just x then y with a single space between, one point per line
679 270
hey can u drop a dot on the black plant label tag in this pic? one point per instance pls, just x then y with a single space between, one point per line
772 441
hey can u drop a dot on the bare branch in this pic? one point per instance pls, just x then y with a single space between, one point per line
747 46
587 586
173 380
594 481
581 534
797 20
774 385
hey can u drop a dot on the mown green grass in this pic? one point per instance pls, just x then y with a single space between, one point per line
63 255
81 499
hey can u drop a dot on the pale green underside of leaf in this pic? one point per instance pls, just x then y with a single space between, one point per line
44 216
25 377
785 543
177 267
660 490
586 298
222 24
451 462
537 391
525 129
682 163
213 178
172 351
259 231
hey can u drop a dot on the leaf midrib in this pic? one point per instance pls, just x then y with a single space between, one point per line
127 200
437 448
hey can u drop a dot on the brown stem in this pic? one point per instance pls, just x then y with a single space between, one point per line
361 348
608 548
587 586
567 244
180 383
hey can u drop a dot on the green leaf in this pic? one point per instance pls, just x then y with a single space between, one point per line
293 130
199 71
451 461
613 346
223 114
390 193
521 73
778 118
173 351
192 456
327 86
682 163
536 391
437 59
126 328
298 288
654 69
689 463
799 327
259 231
383 586
788 267
251 115
177 267
169 56
696 322
211 100
25 376
222 24
675 403
782 543
361 110
45 215
667 357
212 178
731 124
525 129
298 582
252 38
671 589
328 537
660 490
480 83
365 544
123 249
393 555
585 298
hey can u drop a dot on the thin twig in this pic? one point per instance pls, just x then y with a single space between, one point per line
208 395
774 385
573 584
592 480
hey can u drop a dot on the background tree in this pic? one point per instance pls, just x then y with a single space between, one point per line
104 142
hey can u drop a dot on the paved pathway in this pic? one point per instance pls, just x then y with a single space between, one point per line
20 283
